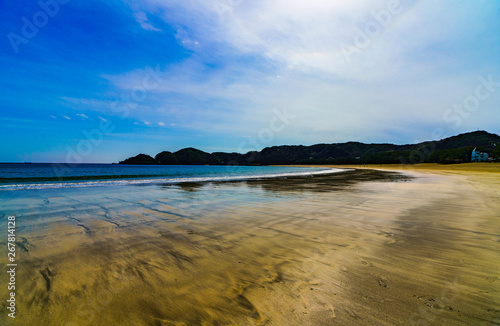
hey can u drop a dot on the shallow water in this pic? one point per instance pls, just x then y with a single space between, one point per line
41 176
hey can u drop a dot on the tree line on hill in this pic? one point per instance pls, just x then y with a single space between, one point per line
456 149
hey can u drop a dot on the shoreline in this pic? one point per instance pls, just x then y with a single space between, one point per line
112 180
493 167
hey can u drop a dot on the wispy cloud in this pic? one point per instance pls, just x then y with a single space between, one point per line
82 115
161 124
66 117
88 103
143 20
282 53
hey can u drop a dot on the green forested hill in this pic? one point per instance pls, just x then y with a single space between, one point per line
454 149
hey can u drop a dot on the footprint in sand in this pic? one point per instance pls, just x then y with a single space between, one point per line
367 263
47 275
247 305
383 282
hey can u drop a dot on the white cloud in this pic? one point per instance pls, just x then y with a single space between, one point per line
87 103
123 106
307 36
147 123
82 115
102 119
161 124
404 77
143 20
66 117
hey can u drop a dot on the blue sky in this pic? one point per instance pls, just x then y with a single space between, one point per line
99 81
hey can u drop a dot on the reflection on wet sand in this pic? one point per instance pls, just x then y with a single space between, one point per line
321 183
327 250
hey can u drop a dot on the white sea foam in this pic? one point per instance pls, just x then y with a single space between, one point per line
162 180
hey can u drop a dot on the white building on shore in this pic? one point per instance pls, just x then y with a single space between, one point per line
477 156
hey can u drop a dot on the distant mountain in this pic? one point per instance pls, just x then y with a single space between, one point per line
456 149
140 159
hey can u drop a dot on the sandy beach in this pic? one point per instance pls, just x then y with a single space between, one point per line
419 246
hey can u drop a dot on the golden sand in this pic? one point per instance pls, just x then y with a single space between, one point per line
431 167
373 251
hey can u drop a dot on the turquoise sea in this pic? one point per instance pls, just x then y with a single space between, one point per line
40 176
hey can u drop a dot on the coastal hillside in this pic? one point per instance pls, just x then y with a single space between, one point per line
456 149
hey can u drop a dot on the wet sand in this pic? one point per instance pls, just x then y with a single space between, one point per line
358 248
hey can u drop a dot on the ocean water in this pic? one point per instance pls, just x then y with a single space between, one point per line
42 176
